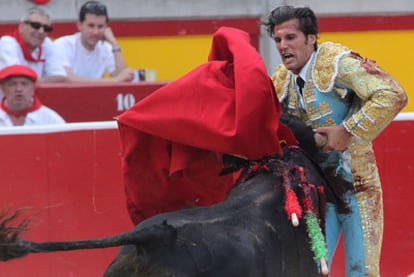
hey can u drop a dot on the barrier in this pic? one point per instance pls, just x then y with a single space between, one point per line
394 153
93 102
73 172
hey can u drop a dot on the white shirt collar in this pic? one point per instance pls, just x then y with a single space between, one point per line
304 69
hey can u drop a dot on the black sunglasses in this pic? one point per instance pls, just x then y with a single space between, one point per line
38 25
95 7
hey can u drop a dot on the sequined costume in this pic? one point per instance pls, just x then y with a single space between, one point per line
341 87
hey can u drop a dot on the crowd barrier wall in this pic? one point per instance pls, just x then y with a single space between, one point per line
93 102
71 173
394 153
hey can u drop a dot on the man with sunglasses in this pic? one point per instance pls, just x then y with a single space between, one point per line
93 52
30 45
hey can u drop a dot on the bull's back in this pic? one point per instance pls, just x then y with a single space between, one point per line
247 235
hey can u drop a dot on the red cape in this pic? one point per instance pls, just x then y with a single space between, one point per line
173 139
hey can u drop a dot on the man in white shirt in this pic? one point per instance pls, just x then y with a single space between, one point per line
19 105
30 45
93 52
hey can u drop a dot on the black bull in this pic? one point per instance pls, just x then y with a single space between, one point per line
248 234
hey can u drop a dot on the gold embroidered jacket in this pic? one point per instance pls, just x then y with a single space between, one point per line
364 97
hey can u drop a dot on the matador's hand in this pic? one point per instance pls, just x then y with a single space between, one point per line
336 137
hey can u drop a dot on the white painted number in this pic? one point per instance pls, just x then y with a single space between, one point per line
124 101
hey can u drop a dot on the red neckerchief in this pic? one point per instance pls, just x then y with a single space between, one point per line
35 106
26 51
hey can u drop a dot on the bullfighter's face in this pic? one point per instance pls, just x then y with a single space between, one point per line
294 47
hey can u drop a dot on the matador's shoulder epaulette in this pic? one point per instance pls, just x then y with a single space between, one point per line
280 81
325 67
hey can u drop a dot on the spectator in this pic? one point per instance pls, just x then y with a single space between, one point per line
19 105
30 45
93 51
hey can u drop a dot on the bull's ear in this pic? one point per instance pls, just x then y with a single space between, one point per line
234 163
232 159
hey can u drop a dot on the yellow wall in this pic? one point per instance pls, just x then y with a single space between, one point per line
171 56
392 50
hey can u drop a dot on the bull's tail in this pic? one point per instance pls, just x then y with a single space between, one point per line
12 247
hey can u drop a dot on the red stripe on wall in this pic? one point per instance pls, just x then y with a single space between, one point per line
182 27
366 23
126 28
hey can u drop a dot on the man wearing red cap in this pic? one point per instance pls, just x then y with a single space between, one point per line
19 105
41 2
29 45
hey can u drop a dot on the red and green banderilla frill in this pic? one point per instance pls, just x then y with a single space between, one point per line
294 212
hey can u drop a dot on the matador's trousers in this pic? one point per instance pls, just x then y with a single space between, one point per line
362 231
